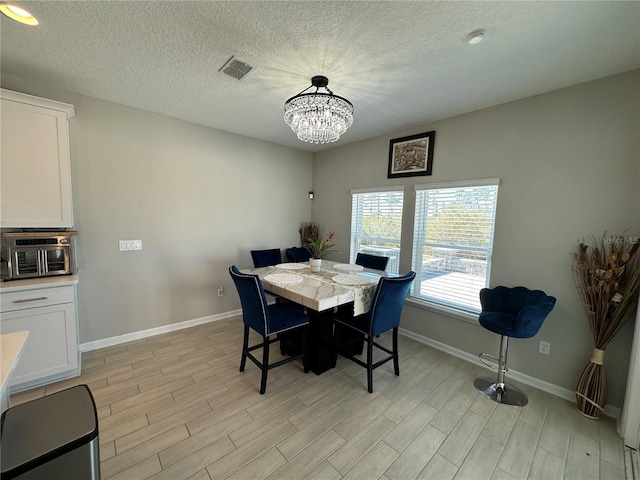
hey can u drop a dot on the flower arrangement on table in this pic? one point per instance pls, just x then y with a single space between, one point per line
607 276
320 247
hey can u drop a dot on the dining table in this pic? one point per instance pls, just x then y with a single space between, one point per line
321 291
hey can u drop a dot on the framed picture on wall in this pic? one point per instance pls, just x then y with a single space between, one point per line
411 156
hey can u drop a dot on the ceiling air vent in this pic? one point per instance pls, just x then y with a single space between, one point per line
236 68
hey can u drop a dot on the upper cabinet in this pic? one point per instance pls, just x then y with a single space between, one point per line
35 179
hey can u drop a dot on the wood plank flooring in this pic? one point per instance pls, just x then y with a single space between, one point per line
175 406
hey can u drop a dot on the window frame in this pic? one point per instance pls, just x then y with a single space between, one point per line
355 240
438 304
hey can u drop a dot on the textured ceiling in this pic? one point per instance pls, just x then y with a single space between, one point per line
399 63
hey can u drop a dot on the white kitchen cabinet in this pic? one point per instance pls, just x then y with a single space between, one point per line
35 180
49 315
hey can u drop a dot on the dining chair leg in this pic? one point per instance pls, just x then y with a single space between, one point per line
396 361
305 363
245 346
370 363
265 364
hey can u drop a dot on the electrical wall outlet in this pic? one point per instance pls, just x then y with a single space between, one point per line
545 347
221 291
126 245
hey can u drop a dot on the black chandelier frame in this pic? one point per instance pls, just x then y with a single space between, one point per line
319 81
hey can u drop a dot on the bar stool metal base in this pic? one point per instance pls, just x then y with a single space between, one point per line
504 393
497 390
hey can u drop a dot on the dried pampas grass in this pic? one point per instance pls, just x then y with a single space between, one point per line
607 277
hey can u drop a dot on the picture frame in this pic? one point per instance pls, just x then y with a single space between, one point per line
411 156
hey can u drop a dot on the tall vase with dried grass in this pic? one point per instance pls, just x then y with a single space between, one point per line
607 276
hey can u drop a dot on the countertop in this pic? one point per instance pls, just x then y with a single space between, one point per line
41 282
10 348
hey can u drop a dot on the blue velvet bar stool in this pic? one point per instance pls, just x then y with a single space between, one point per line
267 321
510 312
266 258
384 315
374 262
298 254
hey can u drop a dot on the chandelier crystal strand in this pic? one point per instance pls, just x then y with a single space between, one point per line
318 117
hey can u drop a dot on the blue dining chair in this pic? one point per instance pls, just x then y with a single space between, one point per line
384 315
372 261
510 312
266 258
298 254
266 320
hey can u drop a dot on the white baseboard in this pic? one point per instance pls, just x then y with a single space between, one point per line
128 337
561 392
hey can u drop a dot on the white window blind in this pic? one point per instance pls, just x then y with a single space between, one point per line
376 223
453 241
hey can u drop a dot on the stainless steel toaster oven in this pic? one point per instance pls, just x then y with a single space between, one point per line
36 254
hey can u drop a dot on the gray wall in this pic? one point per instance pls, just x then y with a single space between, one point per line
198 198
569 162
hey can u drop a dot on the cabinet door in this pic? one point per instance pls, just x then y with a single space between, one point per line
34 168
51 347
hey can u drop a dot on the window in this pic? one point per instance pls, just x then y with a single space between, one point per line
376 222
452 244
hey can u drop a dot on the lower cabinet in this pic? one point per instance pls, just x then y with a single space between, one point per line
51 350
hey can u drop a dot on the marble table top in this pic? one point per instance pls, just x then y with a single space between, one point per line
321 290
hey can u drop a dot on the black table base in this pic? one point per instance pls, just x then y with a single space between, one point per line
321 354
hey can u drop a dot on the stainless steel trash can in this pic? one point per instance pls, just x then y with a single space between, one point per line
53 437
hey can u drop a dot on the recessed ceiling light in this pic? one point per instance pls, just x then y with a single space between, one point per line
18 14
475 37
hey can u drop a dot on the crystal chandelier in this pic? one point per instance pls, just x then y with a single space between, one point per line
318 117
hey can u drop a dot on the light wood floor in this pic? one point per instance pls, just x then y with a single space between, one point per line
175 406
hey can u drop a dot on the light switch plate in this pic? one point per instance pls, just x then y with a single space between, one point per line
126 245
